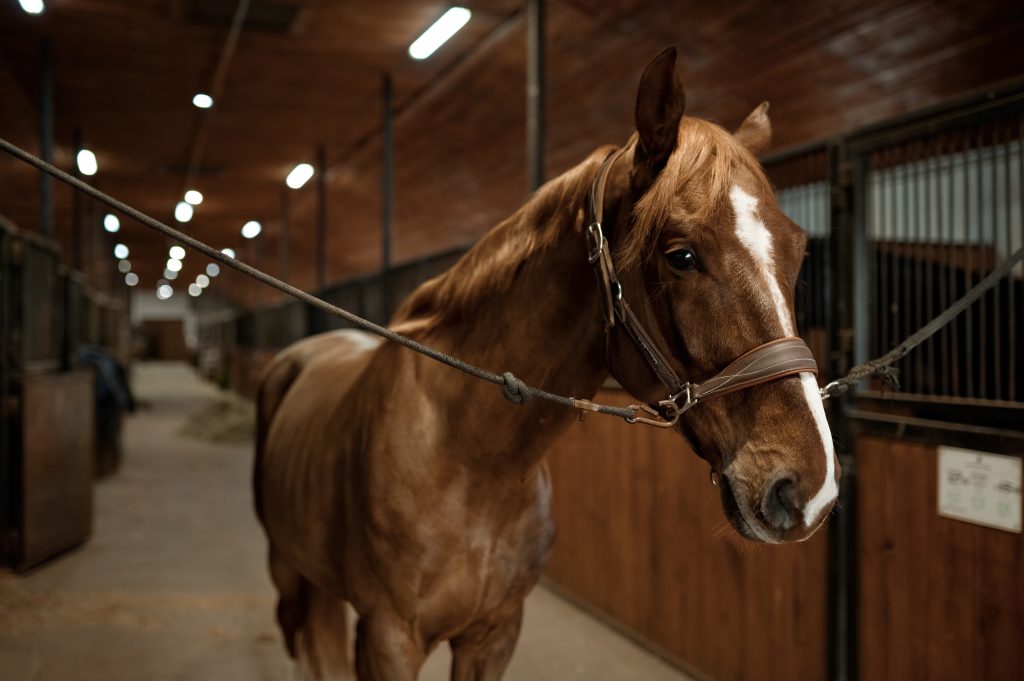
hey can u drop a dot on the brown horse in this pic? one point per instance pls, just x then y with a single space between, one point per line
420 497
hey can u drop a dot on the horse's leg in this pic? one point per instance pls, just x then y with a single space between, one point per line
386 649
483 651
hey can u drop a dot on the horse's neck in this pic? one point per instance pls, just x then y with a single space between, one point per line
546 328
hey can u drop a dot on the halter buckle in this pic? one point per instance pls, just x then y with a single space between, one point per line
595 242
659 420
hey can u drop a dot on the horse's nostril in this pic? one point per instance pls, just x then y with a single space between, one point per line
782 507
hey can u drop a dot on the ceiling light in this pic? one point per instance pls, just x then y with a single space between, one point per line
251 229
194 197
32 6
177 252
230 252
174 265
439 33
131 279
123 266
170 275
182 212
87 162
194 290
111 223
120 251
202 280
164 291
299 175
213 269
203 100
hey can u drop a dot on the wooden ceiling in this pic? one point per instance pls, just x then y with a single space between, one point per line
308 72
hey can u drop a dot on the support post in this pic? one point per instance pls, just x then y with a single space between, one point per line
535 91
285 237
46 137
387 193
321 217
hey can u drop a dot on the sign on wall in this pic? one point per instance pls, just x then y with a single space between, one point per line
980 488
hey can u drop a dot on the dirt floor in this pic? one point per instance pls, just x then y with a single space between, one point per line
172 586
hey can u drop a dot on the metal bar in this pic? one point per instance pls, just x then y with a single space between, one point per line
968 269
535 94
997 335
321 217
931 257
387 191
921 228
954 261
904 305
76 208
284 243
46 137
1014 347
946 237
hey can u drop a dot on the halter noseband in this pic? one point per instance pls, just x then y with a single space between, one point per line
766 362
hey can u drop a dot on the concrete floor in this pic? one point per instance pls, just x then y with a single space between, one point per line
172 586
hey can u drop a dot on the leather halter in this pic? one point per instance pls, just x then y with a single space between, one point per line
766 362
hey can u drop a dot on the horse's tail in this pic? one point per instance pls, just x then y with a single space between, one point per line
277 378
324 648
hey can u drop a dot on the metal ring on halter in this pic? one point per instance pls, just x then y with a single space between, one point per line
595 242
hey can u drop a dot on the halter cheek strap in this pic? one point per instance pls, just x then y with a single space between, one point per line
767 362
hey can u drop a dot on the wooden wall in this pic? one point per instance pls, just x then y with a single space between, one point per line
938 598
642 537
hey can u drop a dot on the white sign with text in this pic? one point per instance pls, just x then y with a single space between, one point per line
980 488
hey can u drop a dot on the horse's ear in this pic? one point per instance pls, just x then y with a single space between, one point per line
755 133
659 106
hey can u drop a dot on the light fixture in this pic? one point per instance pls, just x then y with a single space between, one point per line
194 290
203 100
213 269
299 175
174 265
194 197
439 32
87 162
176 252
123 266
131 279
251 229
164 291
111 223
202 280
183 212
230 252
170 275
120 251
32 6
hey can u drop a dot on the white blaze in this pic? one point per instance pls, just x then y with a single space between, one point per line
758 240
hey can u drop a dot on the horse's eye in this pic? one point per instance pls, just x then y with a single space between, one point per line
683 260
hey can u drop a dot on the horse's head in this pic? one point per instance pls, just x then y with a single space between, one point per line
710 263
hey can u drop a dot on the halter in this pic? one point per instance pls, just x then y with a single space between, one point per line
767 362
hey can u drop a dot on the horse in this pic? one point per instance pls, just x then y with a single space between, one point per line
419 498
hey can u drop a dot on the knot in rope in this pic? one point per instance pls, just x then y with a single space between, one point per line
515 390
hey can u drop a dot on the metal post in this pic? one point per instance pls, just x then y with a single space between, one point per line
321 217
76 208
387 192
535 90
285 238
848 272
46 137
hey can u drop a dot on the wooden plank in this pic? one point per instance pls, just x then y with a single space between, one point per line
938 598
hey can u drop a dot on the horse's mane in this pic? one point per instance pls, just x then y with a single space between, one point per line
492 264
694 183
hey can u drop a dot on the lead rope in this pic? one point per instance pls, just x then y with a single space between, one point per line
514 389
